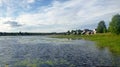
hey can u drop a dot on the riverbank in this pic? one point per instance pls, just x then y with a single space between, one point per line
102 40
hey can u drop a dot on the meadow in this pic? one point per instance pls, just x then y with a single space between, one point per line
104 40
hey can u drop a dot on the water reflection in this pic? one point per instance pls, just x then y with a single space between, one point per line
39 51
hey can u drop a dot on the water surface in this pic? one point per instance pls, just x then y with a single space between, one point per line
43 51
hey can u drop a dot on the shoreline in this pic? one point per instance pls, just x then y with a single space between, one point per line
103 40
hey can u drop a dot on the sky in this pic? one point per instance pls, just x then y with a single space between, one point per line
55 15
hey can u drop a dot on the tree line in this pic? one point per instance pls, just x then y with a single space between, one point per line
114 27
28 33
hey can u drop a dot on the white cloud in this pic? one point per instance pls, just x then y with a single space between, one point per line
10 7
31 1
4 27
61 16
0 1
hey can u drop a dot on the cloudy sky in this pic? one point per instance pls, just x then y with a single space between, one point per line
55 15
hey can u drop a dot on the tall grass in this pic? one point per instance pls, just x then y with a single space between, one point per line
108 40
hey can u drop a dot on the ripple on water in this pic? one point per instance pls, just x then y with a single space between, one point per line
44 51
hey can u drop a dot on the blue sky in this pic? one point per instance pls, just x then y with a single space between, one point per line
55 15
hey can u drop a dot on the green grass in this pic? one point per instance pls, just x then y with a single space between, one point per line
108 40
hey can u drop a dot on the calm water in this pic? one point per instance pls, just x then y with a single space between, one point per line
42 51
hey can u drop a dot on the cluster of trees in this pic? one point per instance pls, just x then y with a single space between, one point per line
114 26
74 32
27 33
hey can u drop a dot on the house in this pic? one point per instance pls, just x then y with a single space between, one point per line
88 32
85 31
94 31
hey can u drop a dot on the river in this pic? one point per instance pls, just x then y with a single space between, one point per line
43 51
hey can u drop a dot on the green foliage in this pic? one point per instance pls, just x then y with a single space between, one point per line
106 40
101 27
102 40
68 32
74 32
114 25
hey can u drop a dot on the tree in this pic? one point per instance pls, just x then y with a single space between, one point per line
101 28
79 31
114 26
68 32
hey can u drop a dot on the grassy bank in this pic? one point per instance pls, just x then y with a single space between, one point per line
103 40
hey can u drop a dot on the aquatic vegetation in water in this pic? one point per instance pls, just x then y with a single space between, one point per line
39 63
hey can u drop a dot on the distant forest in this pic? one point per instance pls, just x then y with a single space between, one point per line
27 33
